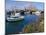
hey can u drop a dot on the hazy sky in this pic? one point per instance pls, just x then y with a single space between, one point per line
11 4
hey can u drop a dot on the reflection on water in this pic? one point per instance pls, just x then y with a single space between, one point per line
13 27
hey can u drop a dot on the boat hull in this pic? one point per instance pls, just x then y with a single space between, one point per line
15 19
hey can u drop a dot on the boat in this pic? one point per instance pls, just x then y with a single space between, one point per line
15 18
38 13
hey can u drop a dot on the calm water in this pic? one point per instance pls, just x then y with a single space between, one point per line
13 27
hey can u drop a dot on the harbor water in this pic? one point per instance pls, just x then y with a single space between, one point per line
14 27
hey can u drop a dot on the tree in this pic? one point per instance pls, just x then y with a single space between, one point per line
32 8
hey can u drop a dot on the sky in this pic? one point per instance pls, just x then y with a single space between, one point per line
21 4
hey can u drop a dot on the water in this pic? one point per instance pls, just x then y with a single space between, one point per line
13 27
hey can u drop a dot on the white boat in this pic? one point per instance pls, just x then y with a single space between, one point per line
38 13
15 18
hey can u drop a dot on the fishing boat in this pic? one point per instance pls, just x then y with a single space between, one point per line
38 13
15 18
